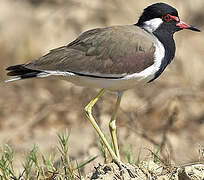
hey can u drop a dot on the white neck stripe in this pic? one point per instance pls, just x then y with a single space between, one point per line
152 24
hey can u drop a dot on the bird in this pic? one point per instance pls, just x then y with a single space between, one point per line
115 58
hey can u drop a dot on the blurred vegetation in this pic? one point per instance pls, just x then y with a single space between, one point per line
39 166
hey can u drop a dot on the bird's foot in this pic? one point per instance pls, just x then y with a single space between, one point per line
123 167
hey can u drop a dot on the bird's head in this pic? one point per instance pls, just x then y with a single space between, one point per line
162 16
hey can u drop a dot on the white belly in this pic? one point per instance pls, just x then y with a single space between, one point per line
109 84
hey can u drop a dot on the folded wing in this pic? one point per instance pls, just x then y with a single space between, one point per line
104 52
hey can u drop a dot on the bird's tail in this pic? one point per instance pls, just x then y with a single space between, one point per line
21 72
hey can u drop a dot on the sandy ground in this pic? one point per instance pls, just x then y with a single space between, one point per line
169 111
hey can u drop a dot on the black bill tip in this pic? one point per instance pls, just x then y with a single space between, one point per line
194 28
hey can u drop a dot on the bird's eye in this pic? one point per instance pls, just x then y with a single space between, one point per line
166 18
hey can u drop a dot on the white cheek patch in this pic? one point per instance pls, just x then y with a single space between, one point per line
152 24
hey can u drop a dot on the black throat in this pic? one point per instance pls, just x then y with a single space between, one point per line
166 38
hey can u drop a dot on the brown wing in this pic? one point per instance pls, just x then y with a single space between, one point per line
113 51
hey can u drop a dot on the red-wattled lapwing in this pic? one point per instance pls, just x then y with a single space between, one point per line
114 58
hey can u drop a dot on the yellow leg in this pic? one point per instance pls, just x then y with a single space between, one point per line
112 125
88 110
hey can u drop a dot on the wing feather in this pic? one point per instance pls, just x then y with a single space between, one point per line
114 51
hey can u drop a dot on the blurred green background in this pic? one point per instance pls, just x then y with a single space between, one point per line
167 112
